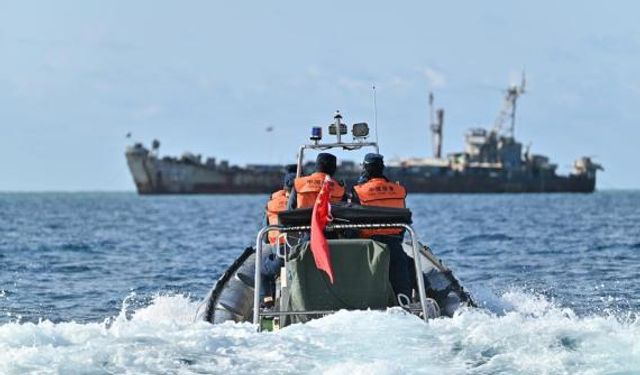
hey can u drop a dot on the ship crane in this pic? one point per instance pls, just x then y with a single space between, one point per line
437 123
508 111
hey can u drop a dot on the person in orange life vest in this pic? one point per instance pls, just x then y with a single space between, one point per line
306 189
271 263
374 189
278 202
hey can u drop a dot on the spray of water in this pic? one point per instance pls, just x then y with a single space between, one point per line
530 335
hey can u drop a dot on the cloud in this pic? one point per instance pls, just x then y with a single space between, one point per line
435 77
354 84
147 111
314 71
399 83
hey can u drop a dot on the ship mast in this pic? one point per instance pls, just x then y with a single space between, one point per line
508 111
436 128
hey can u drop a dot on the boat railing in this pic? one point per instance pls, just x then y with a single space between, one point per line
416 251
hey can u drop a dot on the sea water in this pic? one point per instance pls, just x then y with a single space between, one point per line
102 283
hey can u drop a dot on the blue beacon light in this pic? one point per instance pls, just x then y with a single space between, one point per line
316 133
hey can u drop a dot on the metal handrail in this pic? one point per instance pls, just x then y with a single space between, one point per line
414 245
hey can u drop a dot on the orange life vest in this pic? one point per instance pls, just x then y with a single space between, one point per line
276 204
381 193
308 187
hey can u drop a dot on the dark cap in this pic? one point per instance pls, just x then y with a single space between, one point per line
289 178
373 165
372 158
326 163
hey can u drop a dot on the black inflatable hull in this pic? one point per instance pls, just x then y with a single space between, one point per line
231 298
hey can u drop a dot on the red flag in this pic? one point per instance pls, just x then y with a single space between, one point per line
319 219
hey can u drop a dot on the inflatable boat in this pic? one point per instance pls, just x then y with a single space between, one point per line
301 292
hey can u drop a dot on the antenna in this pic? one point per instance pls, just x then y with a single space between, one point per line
375 112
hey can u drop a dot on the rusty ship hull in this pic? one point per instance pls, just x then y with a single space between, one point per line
489 184
153 175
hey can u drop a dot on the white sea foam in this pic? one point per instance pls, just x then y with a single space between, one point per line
535 337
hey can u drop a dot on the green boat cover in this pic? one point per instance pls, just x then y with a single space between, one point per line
361 277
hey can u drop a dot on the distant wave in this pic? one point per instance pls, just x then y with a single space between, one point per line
71 269
486 237
76 246
615 244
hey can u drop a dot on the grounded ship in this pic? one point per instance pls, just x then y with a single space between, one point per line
492 162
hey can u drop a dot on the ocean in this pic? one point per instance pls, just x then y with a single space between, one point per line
109 283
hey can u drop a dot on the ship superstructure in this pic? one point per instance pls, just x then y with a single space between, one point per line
492 161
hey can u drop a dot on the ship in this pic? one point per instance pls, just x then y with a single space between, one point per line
493 161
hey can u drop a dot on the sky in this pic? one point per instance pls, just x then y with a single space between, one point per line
211 76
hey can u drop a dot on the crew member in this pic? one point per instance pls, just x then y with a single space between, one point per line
271 263
307 188
374 189
278 203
